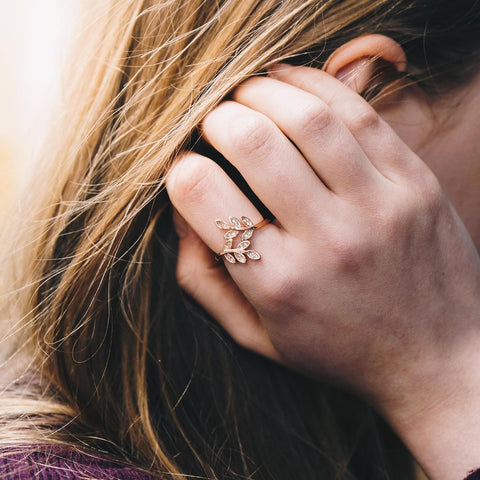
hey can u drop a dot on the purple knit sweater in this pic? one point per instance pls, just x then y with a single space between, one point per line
62 463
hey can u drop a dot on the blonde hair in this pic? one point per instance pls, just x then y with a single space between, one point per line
100 312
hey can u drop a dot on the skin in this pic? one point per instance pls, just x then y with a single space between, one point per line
368 277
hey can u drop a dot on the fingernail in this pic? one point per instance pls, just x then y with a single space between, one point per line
279 70
181 226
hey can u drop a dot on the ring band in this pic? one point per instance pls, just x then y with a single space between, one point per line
261 224
240 252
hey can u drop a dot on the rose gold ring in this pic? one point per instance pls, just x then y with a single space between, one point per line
245 227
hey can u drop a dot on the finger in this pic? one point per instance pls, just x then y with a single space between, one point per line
272 166
325 142
378 140
202 192
213 288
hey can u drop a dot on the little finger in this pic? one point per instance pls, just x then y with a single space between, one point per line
214 289
219 213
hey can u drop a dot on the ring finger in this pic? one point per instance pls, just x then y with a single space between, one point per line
273 168
198 189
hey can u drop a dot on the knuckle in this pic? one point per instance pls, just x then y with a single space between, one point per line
314 117
431 193
350 257
364 118
414 212
283 291
424 200
395 225
191 182
251 134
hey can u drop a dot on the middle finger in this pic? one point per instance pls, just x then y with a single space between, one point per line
324 140
272 166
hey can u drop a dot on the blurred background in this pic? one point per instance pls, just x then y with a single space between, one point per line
34 40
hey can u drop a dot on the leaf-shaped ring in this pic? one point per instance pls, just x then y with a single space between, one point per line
246 227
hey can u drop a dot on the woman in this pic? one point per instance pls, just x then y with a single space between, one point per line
118 363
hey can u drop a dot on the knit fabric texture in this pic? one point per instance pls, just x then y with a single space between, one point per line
62 463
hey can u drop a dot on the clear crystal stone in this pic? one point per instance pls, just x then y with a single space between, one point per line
229 257
247 222
243 245
247 234
221 224
228 243
252 254
231 234
240 257
235 222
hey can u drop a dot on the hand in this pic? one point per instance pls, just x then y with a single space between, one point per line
367 277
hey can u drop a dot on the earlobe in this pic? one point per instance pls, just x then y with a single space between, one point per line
354 62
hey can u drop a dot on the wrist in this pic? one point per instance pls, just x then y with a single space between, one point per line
437 414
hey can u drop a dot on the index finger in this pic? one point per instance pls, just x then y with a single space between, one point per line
384 148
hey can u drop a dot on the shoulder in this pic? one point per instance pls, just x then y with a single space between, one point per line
63 463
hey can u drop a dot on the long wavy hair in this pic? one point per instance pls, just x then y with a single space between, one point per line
110 354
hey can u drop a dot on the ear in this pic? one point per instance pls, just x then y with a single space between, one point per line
354 63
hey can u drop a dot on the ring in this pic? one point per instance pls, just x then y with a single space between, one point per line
246 227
